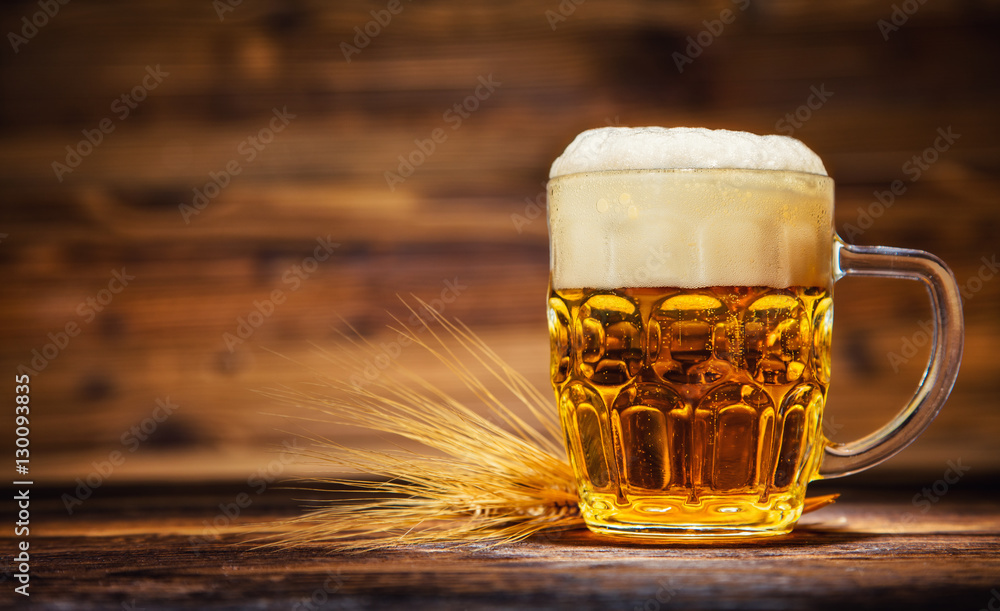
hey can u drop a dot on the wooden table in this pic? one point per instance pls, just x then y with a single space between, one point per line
150 548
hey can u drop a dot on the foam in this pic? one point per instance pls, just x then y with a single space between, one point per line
660 148
613 225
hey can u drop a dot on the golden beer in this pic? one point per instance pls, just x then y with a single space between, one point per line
695 407
690 312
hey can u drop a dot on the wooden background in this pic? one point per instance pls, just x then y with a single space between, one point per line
466 216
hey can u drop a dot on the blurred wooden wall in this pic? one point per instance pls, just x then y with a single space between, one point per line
466 216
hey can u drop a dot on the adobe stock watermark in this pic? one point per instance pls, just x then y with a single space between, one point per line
122 107
249 148
371 368
38 20
797 118
932 494
225 6
914 169
87 310
910 345
703 39
130 442
831 427
534 208
320 597
258 483
664 594
993 604
293 278
901 13
563 11
454 117
363 35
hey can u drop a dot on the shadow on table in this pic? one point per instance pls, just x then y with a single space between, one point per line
813 535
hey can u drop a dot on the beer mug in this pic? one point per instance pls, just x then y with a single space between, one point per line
690 312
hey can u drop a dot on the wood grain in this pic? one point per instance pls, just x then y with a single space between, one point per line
463 216
152 548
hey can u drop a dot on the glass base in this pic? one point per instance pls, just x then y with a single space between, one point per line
667 517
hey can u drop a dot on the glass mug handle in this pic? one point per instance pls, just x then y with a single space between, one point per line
942 367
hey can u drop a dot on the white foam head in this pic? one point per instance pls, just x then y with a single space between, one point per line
688 207
661 148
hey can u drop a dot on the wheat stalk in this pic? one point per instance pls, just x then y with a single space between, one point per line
492 481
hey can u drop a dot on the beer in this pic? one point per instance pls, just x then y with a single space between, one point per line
689 316
690 311
694 406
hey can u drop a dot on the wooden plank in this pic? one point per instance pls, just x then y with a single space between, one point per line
159 549
457 215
